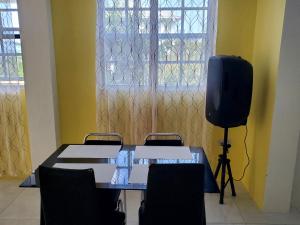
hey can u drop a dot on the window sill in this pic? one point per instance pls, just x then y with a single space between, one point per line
12 82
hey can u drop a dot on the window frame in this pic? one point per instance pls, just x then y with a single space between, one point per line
9 78
153 75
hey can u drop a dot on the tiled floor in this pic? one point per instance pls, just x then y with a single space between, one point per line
21 207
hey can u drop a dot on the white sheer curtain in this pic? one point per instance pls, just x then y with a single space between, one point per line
151 67
14 148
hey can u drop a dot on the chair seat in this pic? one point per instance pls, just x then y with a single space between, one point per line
108 198
163 142
116 218
174 195
70 197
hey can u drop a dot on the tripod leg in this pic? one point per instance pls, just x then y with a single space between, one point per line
230 178
218 168
223 181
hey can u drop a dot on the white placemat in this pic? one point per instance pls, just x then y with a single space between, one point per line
163 152
139 174
103 172
90 151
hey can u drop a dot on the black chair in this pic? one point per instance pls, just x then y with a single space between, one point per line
110 197
174 195
159 141
117 136
69 197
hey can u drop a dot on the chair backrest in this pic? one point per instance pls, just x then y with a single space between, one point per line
117 136
69 196
176 141
175 195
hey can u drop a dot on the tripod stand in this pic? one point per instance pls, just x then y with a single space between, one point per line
225 163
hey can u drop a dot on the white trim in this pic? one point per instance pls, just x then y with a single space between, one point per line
285 123
39 75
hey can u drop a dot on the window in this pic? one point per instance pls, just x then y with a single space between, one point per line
167 39
11 66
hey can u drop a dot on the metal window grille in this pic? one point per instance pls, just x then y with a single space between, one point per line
179 40
11 66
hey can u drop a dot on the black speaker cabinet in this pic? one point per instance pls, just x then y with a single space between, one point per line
229 91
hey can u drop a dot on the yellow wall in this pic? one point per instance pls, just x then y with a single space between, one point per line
268 31
251 29
236 25
74 23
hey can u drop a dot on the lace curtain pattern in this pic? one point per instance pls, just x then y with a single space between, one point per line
14 148
151 67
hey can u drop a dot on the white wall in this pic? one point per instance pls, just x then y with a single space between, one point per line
40 82
296 186
286 122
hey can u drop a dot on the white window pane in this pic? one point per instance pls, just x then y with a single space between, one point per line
114 3
181 50
2 73
144 23
169 21
9 46
11 65
4 4
115 21
139 23
114 76
18 46
195 3
20 66
169 3
130 3
12 46
195 21
142 3
127 73
194 49
114 48
192 74
168 74
169 49
10 19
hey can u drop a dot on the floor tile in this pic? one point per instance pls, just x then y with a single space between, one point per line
217 213
251 214
26 206
9 191
272 218
22 206
19 221
227 224
133 204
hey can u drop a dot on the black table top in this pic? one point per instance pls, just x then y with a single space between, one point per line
124 162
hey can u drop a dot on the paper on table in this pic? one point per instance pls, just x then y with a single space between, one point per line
90 151
139 174
103 172
163 152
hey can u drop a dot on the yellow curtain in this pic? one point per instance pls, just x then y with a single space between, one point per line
135 113
14 147
125 111
151 72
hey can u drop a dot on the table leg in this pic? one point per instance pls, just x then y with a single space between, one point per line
142 195
125 201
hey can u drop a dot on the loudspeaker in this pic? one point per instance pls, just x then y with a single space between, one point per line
229 91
